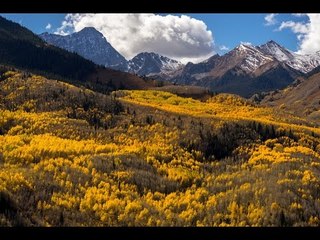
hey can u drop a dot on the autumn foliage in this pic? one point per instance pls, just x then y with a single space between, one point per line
74 157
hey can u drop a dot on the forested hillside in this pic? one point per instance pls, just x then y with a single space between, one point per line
301 98
20 48
70 156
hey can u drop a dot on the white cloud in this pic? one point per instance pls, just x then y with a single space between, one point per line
308 33
179 37
224 48
66 27
270 19
296 27
48 26
311 40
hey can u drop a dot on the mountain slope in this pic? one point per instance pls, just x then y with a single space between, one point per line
274 76
191 72
90 44
20 47
301 98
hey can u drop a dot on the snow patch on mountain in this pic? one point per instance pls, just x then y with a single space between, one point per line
149 63
253 57
274 49
302 63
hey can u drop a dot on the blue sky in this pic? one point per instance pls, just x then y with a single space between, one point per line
231 29
37 22
228 30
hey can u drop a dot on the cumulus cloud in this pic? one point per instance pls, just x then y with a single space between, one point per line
296 27
178 37
308 33
270 19
311 40
48 27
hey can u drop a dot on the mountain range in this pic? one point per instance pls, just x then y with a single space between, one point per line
92 45
245 70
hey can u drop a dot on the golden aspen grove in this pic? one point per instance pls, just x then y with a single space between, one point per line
70 156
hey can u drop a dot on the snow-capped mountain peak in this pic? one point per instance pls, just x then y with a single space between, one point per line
243 47
251 58
90 30
147 63
274 49
90 44
303 63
